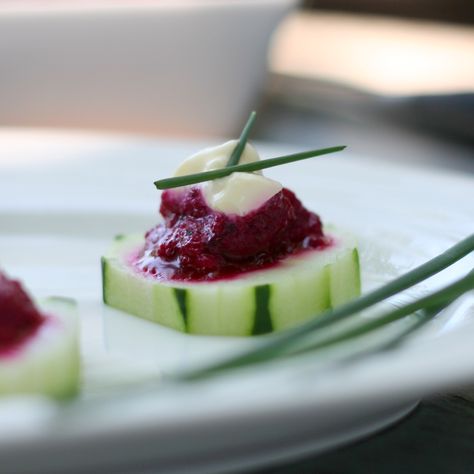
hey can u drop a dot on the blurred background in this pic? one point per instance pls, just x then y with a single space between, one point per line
393 79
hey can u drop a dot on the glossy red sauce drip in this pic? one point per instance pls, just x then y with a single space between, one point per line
196 243
19 319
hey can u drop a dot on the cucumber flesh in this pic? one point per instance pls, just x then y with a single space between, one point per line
48 363
345 278
259 302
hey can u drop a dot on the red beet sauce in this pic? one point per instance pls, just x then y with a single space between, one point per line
196 243
19 319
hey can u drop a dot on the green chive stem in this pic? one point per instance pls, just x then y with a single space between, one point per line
247 167
278 342
239 148
419 319
440 298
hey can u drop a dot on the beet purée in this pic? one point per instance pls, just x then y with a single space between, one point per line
19 319
196 243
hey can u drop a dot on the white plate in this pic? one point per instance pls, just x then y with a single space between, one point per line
64 196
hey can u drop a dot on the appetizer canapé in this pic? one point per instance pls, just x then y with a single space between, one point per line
239 255
38 347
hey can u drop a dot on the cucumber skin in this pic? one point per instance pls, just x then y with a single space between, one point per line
263 318
263 302
48 364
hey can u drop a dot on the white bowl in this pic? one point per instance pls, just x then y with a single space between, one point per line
173 67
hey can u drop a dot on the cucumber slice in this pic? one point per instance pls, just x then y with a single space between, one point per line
301 287
47 363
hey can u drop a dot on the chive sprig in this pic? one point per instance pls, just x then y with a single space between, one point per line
435 300
195 178
239 148
233 166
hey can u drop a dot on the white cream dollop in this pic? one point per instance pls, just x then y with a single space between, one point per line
238 193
